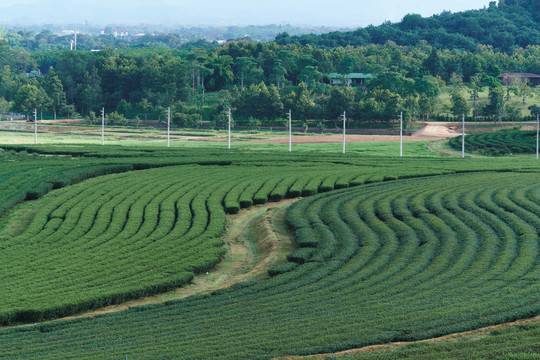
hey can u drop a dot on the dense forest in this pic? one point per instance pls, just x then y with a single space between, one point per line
261 81
505 26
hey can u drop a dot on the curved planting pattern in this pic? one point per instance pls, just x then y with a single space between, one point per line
513 342
498 143
126 236
401 260
27 177
109 240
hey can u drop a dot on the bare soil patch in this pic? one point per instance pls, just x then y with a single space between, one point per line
435 130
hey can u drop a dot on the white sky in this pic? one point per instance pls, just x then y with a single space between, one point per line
340 13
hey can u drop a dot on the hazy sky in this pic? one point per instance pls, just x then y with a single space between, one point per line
340 13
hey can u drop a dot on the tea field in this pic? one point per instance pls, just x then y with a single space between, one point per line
504 142
387 249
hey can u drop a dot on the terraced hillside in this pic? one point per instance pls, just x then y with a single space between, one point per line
397 260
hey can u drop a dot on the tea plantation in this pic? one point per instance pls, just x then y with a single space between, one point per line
504 142
387 250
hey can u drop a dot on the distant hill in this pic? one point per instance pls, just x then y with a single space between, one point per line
507 25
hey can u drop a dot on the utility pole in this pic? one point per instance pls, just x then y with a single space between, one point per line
537 133
344 118
102 125
290 131
35 126
463 136
168 125
229 136
401 134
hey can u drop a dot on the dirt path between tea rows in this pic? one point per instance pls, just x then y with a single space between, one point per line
467 335
255 239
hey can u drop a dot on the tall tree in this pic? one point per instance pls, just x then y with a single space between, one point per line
495 108
475 86
302 102
90 90
278 73
53 87
411 109
28 98
9 83
222 73
459 104
4 105
145 107
522 89
456 83
310 74
426 106
341 99
275 105
247 71
393 81
433 64
390 104
427 85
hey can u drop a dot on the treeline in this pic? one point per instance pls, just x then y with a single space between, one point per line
154 36
505 26
46 40
260 81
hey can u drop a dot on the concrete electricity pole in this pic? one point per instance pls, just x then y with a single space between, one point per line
463 136
290 131
102 126
229 136
168 125
537 133
401 134
344 118
35 126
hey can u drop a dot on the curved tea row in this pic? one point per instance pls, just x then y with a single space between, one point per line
130 235
401 260
499 142
519 341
